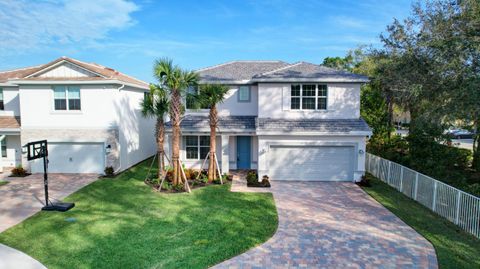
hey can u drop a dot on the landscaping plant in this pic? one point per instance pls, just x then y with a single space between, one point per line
175 81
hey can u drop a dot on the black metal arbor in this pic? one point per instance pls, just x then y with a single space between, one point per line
37 150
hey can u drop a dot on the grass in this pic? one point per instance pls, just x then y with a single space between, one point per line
122 223
454 247
3 182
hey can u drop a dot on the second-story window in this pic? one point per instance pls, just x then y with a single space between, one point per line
67 98
308 97
2 107
244 94
191 101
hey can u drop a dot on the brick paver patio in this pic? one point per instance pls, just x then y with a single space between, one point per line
335 225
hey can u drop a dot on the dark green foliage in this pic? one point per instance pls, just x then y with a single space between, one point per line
448 164
109 172
252 180
454 247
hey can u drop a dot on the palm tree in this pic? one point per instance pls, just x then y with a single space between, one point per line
209 95
155 105
175 80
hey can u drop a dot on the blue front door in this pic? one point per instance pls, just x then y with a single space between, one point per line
243 152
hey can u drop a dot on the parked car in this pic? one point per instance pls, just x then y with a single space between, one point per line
460 134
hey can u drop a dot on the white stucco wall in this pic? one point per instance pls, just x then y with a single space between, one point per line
136 133
14 154
232 107
358 142
98 108
343 102
11 102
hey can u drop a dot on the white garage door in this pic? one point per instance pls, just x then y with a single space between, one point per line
73 158
313 163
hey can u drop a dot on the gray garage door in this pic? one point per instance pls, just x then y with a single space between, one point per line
73 158
311 163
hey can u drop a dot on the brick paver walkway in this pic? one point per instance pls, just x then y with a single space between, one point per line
23 197
335 225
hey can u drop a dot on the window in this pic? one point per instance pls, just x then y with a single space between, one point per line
1 100
191 99
197 147
308 97
145 95
4 148
244 94
66 98
322 97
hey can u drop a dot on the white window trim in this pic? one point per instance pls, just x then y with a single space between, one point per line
316 98
67 110
198 147
249 94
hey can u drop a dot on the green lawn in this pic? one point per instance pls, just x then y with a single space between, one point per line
455 248
122 223
3 182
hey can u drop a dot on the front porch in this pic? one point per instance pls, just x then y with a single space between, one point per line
10 143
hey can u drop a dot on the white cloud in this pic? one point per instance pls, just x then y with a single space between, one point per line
27 24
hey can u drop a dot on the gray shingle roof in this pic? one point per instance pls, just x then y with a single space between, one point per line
312 125
226 123
309 72
238 70
199 123
274 71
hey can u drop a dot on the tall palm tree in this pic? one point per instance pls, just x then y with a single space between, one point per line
175 80
156 105
209 95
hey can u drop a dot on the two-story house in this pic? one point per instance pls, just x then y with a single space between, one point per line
290 121
89 114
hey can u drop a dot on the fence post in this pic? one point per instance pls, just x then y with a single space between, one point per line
388 173
457 212
401 178
416 186
434 200
378 168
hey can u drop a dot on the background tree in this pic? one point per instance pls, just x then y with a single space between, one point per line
155 104
209 95
175 80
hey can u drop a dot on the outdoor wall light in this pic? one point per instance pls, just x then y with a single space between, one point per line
108 149
361 152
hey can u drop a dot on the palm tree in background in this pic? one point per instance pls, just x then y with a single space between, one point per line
175 80
155 105
209 95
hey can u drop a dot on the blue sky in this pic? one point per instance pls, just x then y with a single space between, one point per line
130 35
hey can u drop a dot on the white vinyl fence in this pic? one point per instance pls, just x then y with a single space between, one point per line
457 206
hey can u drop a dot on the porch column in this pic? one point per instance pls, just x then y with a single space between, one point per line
225 153
2 138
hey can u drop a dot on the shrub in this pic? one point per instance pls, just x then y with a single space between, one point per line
109 171
252 177
364 182
18 171
190 174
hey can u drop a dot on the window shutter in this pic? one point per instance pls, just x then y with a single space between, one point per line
286 98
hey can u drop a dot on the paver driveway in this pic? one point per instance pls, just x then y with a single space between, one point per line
23 197
335 225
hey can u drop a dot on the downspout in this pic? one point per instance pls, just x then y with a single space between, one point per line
119 146
2 138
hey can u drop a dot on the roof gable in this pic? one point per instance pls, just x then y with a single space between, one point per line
64 68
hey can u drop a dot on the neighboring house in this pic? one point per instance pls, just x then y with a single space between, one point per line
290 121
90 115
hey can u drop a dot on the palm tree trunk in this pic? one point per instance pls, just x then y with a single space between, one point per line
160 132
175 112
212 165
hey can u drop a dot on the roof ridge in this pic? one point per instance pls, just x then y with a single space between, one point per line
278 69
238 61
